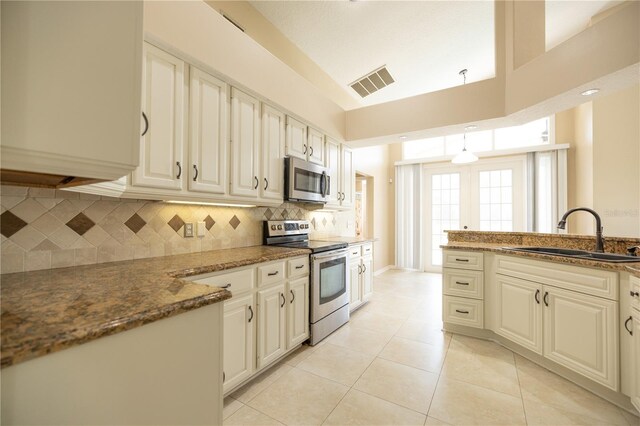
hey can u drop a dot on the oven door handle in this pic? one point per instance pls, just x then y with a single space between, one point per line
330 255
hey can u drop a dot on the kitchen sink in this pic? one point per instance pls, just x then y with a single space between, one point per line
579 254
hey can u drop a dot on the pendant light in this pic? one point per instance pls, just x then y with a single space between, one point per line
464 156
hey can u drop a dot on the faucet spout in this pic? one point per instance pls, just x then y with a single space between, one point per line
599 240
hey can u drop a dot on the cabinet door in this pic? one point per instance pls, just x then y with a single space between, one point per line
367 277
239 337
296 141
519 311
163 105
208 137
298 312
635 352
272 338
332 157
272 154
315 143
581 333
347 177
355 268
245 137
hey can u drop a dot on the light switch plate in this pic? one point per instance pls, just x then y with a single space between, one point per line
188 230
201 228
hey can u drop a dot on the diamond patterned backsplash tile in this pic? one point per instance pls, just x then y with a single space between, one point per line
80 223
176 223
10 224
209 222
135 223
44 229
234 222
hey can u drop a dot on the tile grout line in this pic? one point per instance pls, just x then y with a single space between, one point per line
524 408
438 381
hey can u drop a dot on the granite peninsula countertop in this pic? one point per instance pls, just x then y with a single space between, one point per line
50 310
500 249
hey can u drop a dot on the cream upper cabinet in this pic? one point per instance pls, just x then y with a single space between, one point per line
332 157
315 145
519 311
297 312
272 154
347 178
161 144
581 333
245 139
239 337
272 331
208 133
71 88
296 140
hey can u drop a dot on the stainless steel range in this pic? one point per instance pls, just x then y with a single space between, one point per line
329 277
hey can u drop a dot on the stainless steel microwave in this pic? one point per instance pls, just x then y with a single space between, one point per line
305 182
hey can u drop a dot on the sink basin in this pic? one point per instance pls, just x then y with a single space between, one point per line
579 254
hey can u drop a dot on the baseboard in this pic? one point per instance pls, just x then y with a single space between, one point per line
383 270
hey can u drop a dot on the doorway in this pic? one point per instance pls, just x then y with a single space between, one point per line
485 196
364 205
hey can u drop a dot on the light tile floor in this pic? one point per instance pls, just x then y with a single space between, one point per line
392 365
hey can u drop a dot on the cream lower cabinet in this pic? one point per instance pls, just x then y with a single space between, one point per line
239 336
266 318
298 312
538 308
635 352
360 274
272 327
519 316
463 288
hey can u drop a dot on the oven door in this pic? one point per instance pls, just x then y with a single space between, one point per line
329 283
305 181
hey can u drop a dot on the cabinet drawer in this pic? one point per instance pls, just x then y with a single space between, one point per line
355 252
270 273
460 282
458 310
298 267
634 287
596 282
236 282
367 249
462 259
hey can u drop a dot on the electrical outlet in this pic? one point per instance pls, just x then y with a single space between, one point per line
188 230
200 229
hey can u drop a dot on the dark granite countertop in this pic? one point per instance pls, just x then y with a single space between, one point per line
50 310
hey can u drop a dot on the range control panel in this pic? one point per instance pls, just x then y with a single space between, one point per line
274 228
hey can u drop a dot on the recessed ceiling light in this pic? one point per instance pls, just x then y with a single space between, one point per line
471 127
590 92
403 137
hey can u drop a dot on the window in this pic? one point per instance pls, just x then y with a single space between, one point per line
496 200
530 134
445 211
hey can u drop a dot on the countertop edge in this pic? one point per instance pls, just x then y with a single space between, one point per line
499 249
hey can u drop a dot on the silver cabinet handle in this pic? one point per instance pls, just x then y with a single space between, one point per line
251 311
179 169
299 266
462 260
266 184
537 296
195 177
626 327
257 182
461 283
305 148
146 124
271 274
311 151
293 296
462 312
283 300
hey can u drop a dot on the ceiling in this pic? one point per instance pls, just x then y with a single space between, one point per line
424 44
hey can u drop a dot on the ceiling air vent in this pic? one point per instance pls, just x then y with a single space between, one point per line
372 82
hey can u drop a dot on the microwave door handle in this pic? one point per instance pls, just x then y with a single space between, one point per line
323 184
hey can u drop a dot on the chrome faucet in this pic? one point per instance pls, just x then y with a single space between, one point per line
599 239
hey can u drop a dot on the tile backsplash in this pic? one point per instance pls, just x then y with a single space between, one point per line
47 228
